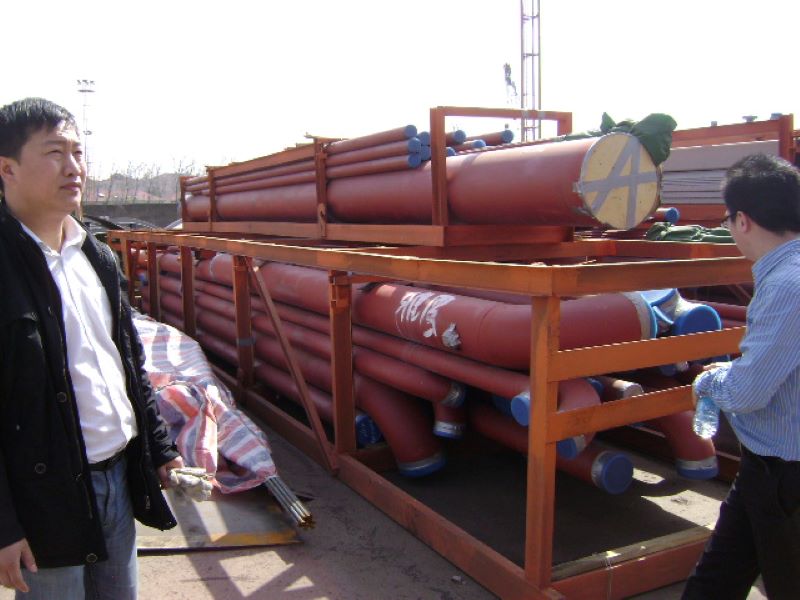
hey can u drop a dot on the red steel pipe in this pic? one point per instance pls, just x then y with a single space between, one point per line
612 473
378 165
495 138
400 148
202 183
490 332
502 382
404 422
571 183
263 183
405 377
695 457
290 203
373 139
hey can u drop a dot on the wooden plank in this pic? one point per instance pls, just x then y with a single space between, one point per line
597 360
488 567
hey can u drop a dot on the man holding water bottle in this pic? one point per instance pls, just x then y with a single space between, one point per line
758 530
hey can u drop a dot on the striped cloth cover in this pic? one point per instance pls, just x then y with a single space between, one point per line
200 412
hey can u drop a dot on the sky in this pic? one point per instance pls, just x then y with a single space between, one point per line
181 83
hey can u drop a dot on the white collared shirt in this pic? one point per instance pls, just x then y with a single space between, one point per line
98 379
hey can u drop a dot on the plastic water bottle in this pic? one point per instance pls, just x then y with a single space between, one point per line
706 418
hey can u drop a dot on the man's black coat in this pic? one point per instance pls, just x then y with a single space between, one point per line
46 493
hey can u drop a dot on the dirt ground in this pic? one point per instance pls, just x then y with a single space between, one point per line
355 552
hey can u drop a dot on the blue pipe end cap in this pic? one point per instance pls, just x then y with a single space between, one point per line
521 408
367 431
691 470
413 145
451 151
449 430
506 136
425 153
502 404
410 131
700 318
423 467
459 136
478 144
424 137
597 386
414 160
672 215
571 447
612 472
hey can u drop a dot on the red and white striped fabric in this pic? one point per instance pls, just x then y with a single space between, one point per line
208 429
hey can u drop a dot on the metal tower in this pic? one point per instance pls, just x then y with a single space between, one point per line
530 66
86 87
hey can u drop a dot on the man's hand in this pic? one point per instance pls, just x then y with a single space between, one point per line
709 367
163 471
10 572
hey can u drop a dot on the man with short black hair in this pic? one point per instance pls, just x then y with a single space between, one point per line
758 531
83 449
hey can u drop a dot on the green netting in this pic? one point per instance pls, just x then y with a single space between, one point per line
654 132
667 232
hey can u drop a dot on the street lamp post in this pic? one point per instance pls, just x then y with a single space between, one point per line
86 87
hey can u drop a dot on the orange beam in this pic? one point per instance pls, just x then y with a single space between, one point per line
488 567
340 316
539 509
570 423
628 578
187 285
152 279
582 362
245 342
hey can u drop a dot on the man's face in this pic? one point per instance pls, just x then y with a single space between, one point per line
48 178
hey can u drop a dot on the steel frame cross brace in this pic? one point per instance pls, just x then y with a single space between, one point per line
328 456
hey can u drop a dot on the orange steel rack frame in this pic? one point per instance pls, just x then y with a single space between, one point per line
644 265
439 233
779 129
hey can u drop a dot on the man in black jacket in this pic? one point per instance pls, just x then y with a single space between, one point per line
83 449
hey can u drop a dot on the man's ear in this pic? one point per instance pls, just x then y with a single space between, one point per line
746 222
7 169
